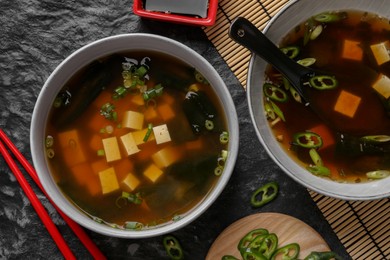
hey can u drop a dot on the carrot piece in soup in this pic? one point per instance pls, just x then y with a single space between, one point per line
347 103
325 133
71 147
352 50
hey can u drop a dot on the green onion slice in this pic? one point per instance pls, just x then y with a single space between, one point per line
379 174
148 132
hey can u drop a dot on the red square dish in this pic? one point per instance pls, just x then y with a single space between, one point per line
138 9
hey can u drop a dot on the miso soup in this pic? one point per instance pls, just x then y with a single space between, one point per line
136 139
352 49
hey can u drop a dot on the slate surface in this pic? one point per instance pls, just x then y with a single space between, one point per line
35 36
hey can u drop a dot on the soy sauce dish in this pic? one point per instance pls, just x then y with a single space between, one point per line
349 40
134 135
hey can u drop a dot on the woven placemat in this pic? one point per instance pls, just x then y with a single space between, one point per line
362 226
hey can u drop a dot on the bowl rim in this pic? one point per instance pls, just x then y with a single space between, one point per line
104 47
277 28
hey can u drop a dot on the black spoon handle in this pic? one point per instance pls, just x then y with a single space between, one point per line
246 34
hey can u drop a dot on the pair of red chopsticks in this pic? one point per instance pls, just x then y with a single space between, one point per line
39 208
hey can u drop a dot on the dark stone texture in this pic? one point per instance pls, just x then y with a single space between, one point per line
35 37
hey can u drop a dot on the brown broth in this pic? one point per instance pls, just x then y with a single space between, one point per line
182 185
356 77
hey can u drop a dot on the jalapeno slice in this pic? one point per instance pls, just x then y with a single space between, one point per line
173 247
287 252
290 51
268 245
248 238
274 93
322 256
323 82
307 140
266 192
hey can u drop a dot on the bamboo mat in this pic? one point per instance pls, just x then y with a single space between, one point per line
362 226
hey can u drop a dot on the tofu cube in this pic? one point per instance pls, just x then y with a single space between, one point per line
111 149
352 50
72 151
347 103
129 144
153 173
166 156
382 85
131 182
381 52
161 134
133 120
108 181
139 136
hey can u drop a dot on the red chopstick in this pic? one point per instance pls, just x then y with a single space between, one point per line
80 233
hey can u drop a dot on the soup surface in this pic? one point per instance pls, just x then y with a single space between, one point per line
136 139
352 49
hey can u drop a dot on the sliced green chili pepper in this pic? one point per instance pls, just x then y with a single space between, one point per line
290 51
318 170
322 256
251 255
267 193
246 240
148 132
287 252
173 247
307 62
323 82
229 257
274 93
257 241
379 174
268 245
376 138
307 140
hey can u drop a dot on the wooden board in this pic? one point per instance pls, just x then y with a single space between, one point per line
287 228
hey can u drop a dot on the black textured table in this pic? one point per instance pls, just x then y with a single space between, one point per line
35 37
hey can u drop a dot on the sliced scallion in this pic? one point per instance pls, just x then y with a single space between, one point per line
379 174
148 132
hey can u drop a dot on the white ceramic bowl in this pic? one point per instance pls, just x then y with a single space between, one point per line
104 47
291 15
